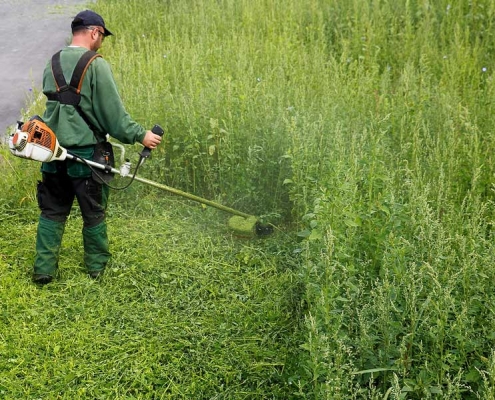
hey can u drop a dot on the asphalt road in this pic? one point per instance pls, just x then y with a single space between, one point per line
31 31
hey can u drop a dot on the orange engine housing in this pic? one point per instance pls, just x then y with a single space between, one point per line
39 133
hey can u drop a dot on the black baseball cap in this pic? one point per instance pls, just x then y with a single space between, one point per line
88 18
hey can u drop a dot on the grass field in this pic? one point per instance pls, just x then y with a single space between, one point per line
363 129
185 311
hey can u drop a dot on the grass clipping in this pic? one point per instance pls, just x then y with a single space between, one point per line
243 226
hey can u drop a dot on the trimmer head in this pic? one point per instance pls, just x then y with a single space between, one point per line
249 227
263 229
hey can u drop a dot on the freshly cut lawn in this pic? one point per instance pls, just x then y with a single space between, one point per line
185 310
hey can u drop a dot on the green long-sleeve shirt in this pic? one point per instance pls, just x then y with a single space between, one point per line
100 102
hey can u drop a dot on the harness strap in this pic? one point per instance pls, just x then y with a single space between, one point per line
81 68
58 74
71 94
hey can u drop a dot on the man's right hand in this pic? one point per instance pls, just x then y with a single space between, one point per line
151 140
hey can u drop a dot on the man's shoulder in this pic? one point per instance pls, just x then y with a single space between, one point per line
76 52
101 65
95 60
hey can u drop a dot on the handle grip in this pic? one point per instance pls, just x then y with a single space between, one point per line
157 130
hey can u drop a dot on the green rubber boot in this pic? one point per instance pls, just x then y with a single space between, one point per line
96 253
48 241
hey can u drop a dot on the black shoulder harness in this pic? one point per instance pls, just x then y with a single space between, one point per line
71 93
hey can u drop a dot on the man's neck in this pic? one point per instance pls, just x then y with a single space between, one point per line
79 42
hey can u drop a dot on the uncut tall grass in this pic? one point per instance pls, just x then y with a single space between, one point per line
365 129
369 125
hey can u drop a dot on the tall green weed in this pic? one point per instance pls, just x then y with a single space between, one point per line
398 242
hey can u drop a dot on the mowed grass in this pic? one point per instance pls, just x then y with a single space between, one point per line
185 310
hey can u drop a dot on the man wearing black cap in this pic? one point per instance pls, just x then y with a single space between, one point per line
81 122
89 18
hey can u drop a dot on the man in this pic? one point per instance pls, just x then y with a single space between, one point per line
79 128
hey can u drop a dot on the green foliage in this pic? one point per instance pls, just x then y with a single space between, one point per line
18 187
366 125
396 220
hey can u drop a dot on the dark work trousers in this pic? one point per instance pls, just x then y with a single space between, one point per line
56 194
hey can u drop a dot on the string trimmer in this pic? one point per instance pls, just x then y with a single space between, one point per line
34 140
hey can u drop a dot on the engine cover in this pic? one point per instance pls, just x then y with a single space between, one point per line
34 140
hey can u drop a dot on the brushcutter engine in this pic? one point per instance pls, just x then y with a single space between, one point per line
34 140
